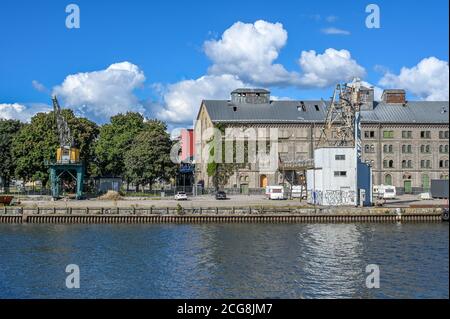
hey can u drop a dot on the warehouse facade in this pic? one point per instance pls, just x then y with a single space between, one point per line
405 142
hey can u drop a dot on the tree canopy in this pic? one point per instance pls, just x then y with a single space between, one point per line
8 130
114 141
148 158
127 147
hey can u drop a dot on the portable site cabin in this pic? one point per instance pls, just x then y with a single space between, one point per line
339 178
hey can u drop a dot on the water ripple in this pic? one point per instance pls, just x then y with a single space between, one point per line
225 260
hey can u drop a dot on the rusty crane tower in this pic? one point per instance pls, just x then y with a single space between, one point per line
67 165
341 128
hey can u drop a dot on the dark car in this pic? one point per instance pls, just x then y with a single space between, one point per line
221 195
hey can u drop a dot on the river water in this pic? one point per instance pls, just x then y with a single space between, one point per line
225 260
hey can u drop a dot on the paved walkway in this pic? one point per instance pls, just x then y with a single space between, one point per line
210 201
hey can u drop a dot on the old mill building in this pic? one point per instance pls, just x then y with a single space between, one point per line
406 142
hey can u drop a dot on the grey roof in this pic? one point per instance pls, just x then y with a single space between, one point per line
315 111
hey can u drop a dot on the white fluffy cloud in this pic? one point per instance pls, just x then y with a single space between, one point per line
331 67
248 50
101 94
245 55
428 80
18 111
182 100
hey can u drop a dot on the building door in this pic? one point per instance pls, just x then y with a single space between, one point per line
425 183
263 181
388 180
407 186
244 189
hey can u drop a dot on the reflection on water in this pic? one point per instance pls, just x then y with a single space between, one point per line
225 260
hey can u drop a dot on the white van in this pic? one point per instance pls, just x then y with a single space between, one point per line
384 191
275 192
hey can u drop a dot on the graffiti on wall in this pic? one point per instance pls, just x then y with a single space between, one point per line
332 197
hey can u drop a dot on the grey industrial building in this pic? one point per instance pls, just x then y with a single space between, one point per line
406 142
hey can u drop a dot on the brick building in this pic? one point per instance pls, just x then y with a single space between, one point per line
406 142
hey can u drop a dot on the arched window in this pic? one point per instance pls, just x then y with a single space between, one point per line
443 163
388 163
388 179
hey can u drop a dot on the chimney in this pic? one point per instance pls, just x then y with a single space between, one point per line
394 96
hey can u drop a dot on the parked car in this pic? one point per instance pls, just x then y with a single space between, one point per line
221 195
180 196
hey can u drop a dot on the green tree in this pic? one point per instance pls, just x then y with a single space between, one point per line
37 142
8 130
148 158
114 141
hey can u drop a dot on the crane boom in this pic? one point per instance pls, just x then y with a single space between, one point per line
64 135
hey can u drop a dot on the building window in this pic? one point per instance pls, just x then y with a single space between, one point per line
388 179
425 134
406 164
340 173
444 176
387 148
406 134
388 134
388 164
443 134
339 157
369 148
443 163
425 148
369 134
443 149
407 149
425 164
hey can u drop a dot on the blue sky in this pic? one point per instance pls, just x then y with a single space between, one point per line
165 40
